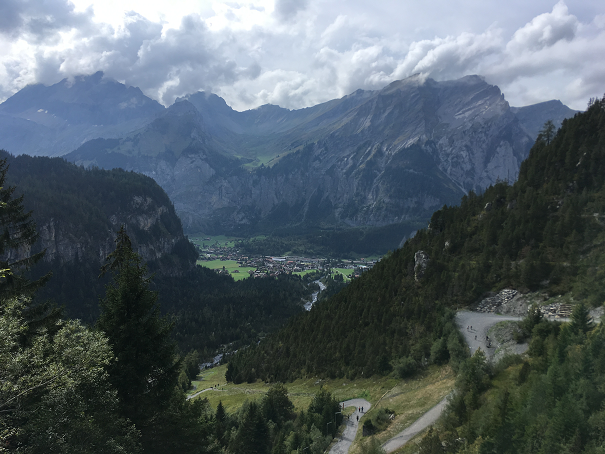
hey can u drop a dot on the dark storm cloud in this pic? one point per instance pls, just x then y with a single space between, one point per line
287 9
40 19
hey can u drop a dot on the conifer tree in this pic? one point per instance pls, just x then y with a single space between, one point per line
581 321
276 406
221 422
252 436
547 132
17 236
146 371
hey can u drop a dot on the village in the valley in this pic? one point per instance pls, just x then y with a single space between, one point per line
270 266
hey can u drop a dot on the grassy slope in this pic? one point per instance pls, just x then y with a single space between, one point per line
408 398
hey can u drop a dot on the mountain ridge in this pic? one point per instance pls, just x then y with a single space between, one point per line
370 158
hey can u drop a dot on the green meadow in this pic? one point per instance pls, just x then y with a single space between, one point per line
408 399
229 265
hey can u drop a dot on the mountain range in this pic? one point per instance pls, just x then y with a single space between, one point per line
371 158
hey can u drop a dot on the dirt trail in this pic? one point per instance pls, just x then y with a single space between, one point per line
351 425
198 393
418 426
478 324
475 338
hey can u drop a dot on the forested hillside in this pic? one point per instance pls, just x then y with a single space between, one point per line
550 402
209 310
118 387
78 213
545 232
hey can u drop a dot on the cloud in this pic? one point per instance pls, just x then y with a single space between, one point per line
301 53
545 30
553 56
40 20
286 10
165 64
450 56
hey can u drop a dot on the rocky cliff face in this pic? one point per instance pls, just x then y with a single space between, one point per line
78 213
368 159
66 242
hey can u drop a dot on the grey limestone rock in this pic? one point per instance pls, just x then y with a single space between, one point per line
421 261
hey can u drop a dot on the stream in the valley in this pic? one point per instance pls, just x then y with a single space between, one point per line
309 304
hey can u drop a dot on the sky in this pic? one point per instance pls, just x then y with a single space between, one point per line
298 53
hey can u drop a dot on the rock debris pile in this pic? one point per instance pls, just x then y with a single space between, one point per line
494 302
556 310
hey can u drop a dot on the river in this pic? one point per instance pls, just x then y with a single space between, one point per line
314 295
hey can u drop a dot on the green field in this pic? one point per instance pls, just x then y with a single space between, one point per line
346 272
302 273
409 399
229 265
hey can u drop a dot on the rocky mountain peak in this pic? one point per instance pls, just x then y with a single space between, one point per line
369 158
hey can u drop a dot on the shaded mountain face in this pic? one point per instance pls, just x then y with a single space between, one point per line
54 120
533 117
371 158
78 213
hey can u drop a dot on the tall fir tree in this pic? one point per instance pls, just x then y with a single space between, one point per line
146 370
18 234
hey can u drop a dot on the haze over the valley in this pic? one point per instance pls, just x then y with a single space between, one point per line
298 53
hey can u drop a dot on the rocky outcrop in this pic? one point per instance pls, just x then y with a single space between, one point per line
494 301
78 213
421 261
66 242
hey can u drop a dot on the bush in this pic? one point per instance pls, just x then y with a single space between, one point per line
506 362
439 351
406 367
379 421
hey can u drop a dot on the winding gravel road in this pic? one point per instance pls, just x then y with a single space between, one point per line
475 338
351 425
481 323
418 426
